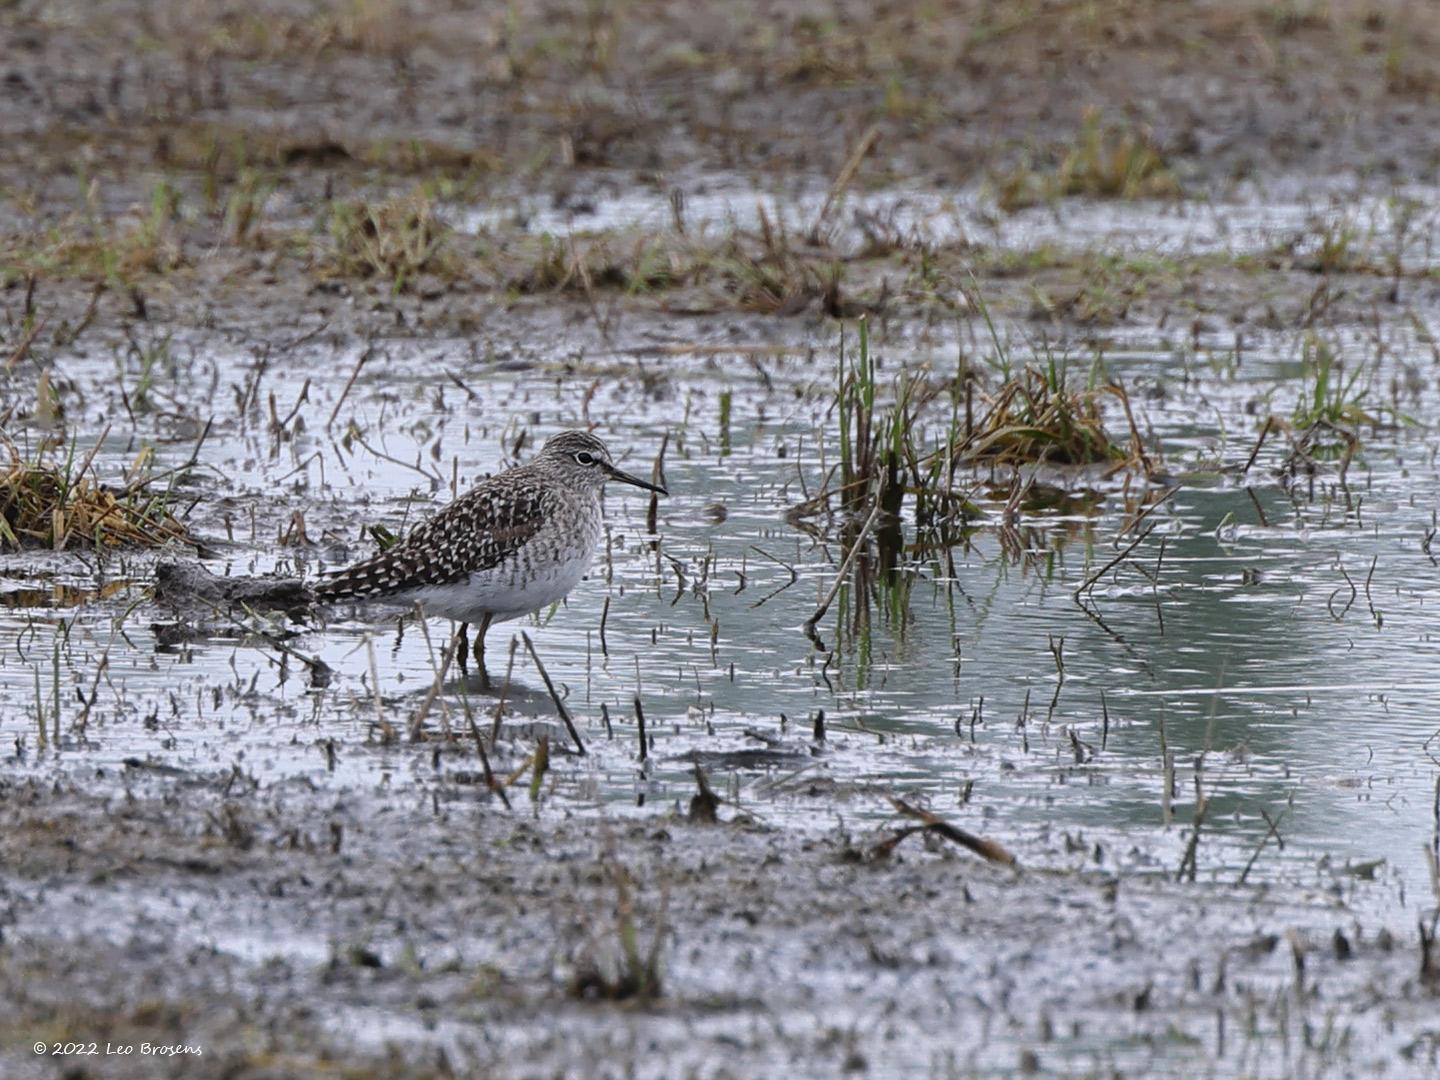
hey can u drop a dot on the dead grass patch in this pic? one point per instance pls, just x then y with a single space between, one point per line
1106 161
57 507
397 240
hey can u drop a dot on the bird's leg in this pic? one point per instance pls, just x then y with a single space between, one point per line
462 648
480 628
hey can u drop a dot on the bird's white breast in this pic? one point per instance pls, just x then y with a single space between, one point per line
543 572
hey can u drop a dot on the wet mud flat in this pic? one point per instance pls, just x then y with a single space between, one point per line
288 931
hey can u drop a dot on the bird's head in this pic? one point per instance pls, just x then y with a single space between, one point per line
582 459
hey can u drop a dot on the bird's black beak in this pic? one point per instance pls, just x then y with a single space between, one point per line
626 478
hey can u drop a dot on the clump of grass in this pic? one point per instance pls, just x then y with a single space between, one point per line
375 27
775 286
245 209
1325 422
1410 71
1332 407
113 251
1328 396
1337 248
762 274
871 448
1106 162
1035 416
881 456
396 240
778 279
56 505
572 265
630 974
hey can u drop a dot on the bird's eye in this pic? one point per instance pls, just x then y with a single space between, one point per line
584 457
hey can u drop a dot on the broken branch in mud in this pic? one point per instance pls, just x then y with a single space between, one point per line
986 849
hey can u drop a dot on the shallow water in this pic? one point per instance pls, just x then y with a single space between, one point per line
1282 218
1308 704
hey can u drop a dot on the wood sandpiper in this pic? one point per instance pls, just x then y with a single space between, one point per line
511 545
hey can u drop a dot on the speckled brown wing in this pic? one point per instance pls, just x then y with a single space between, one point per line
482 529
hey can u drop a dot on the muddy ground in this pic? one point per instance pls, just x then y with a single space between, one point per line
287 935
268 188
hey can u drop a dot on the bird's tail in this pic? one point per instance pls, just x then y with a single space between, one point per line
388 572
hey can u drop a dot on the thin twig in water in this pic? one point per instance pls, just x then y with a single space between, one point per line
794 577
1143 514
88 317
1167 776
375 683
640 723
364 357
25 342
1189 862
657 477
843 180
1330 603
1379 619
554 696
1273 830
446 656
1089 582
1259 510
498 789
1264 431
